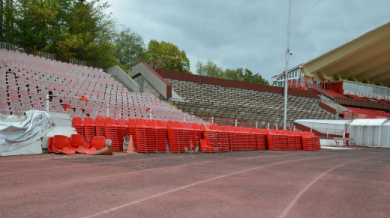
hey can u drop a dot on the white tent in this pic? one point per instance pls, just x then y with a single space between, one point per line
328 127
370 132
365 132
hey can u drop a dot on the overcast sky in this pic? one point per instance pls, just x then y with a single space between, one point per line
251 34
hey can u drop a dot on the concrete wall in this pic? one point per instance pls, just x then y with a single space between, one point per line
336 107
327 107
146 87
125 79
152 77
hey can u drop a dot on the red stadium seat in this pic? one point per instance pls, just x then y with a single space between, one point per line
76 142
61 145
97 143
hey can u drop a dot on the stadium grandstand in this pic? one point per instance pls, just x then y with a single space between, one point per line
27 80
153 107
224 101
355 75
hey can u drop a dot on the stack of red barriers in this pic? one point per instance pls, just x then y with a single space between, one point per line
175 134
78 124
99 126
310 142
110 129
160 135
210 144
275 142
122 130
132 132
191 144
89 127
152 136
261 138
145 137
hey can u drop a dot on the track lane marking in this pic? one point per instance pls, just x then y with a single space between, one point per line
194 184
134 172
298 196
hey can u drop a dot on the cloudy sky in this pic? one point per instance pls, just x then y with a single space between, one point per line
251 34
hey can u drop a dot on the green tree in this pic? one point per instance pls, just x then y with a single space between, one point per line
86 33
209 69
165 55
212 70
29 23
245 75
130 48
69 28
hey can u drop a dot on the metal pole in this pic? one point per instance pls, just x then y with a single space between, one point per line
286 74
380 135
267 125
327 133
236 123
388 134
212 120
47 101
256 124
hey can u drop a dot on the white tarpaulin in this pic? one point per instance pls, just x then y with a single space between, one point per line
15 135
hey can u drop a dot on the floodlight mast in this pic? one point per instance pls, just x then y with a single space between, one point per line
288 53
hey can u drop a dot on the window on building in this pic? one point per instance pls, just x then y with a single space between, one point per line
361 88
346 86
382 91
353 87
369 89
376 91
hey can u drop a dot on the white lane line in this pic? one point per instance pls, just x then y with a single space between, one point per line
44 158
190 185
296 198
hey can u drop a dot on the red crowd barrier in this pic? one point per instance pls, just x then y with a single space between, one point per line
110 129
78 124
151 136
99 126
310 142
89 128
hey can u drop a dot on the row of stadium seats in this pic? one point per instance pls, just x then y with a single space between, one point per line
151 136
26 80
369 113
356 97
75 144
218 101
334 93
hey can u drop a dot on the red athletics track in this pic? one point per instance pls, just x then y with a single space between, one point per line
327 183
